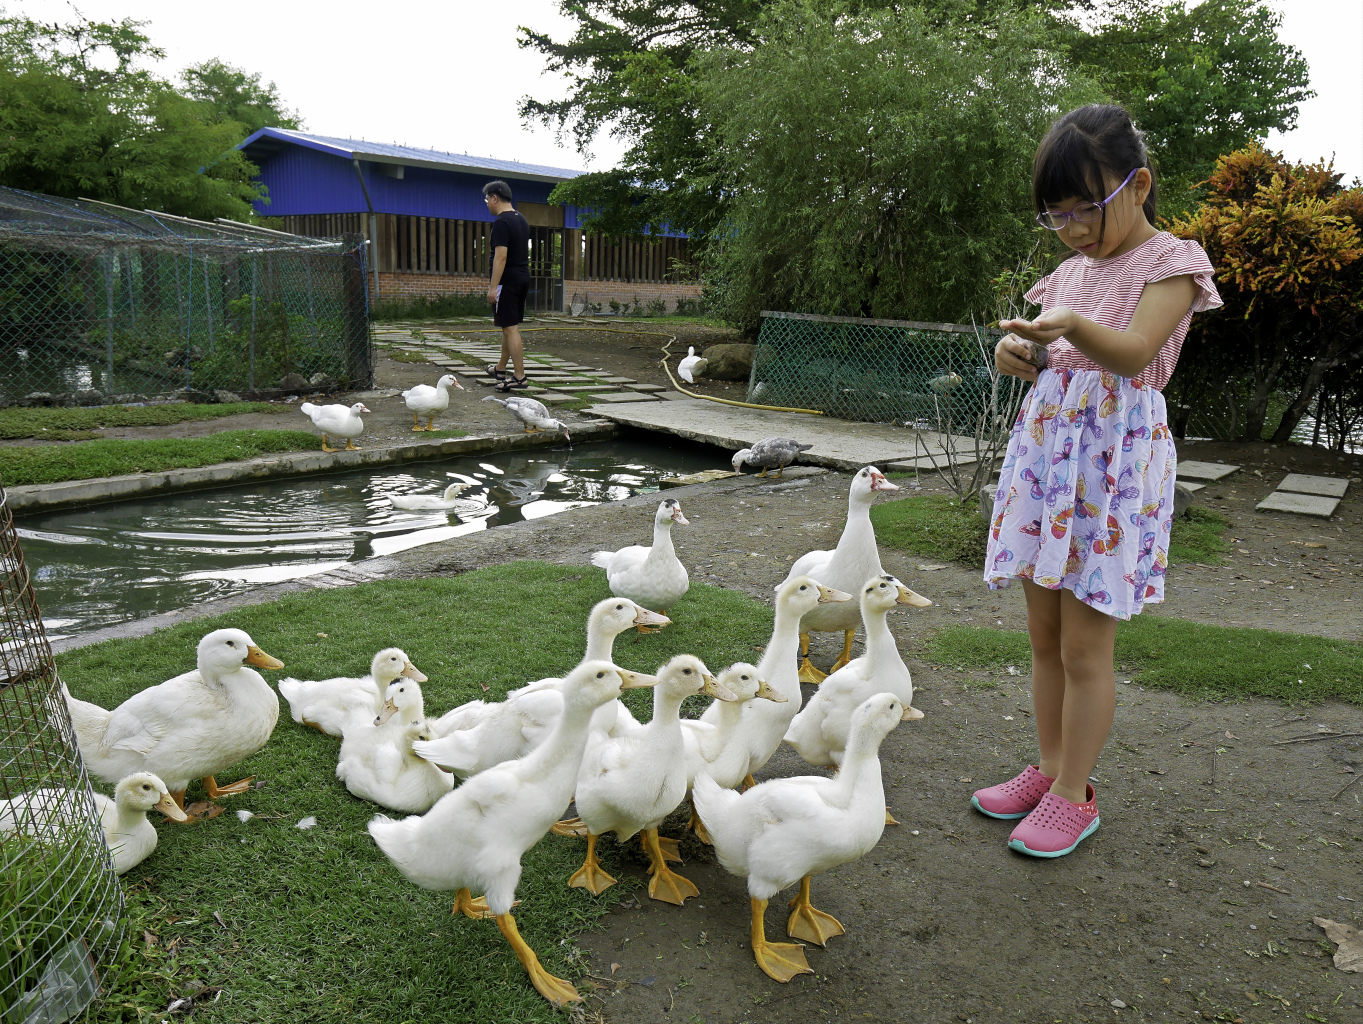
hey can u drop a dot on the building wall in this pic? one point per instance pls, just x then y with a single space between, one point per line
401 285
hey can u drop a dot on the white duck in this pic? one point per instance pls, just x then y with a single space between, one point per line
763 723
531 412
328 704
629 784
128 834
651 576
425 400
341 420
190 727
474 837
819 732
785 830
692 366
444 501
855 560
477 735
377 763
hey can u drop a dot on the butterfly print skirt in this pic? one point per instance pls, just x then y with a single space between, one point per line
1086 493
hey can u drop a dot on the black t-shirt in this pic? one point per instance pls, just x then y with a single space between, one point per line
513 231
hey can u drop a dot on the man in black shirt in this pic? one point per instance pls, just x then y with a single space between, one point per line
510 282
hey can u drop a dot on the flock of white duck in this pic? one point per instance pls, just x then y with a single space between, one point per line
565 740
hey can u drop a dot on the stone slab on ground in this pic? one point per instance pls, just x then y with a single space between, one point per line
841 444
1206 471
1192 487
646 387
619 380
703 477
1301 504
554 397
619 397
1325 486
675 396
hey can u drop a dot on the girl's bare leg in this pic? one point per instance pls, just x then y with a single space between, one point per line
1086 641
1048 672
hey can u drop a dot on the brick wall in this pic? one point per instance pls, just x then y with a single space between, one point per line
404 285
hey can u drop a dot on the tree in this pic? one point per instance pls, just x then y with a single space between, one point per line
80 117
878 162
1286 243
232 94
1199 80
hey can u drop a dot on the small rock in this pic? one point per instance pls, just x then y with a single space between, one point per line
729 361
37 398
226 397
324 382
294 382
1118 1004
1183 498
1206 862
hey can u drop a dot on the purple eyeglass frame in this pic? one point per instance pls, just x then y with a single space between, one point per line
1044 218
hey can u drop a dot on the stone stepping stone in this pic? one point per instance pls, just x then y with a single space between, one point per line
1207 471
647 387
618 397
674 396
585 388
1301 504
703 477
619 380
1192 488
555 398
1325 486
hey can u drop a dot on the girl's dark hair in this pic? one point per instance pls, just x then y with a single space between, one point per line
1082 145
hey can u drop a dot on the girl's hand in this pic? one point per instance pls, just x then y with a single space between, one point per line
1046 328
1013 356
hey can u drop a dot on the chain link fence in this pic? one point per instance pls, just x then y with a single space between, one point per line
61 905
99 303
880 371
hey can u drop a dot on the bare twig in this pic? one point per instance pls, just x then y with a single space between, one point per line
1344 787
1265 885
1315 736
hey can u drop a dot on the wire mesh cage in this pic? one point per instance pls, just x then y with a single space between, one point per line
61 904
99 303
881 371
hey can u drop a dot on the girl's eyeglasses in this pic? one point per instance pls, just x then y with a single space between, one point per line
1084 213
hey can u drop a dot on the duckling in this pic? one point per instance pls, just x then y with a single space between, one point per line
127 833
425 400
630 784
651 576
192 726
786 830
344 421
377 763
328 704
475 836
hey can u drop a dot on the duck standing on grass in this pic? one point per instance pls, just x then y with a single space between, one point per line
855 560
190 727
341 420
770 453
530 412
123 823
786 830
327 705
475 836
651 576
425 400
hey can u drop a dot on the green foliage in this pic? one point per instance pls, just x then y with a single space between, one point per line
82 117
1192 658
883 159
1196 537
316 921
429 308
1200 79
85 460
933 526
47 423
234 96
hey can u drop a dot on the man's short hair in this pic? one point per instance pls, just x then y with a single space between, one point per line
498 188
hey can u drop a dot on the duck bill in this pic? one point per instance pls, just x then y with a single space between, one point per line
911 714
644 617
414 673
765 691
255 656
389 710
827 595
456 383
907 596
718 690
167 806
880 483
677 517
636 680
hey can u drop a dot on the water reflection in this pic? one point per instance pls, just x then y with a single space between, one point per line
110 563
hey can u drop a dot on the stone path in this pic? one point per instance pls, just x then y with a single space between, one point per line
1306 495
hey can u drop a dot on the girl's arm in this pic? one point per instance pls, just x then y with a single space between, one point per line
1126 353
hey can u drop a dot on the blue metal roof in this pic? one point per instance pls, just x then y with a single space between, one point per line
269 141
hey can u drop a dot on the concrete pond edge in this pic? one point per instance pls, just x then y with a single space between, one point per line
71 493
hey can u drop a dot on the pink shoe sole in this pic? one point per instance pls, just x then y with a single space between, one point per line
1056 827
1015 798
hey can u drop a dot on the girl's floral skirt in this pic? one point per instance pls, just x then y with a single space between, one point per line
1086 493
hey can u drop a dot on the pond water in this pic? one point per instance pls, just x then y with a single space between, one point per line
105 564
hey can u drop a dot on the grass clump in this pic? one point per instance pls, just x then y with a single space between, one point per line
85 460
933 526
319 925
1190 657
80 424
1196 537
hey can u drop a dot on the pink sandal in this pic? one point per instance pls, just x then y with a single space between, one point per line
1015 798
1057 826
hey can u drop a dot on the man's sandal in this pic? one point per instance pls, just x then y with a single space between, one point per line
512 383
492 371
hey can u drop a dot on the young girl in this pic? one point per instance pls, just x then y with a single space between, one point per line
1086 493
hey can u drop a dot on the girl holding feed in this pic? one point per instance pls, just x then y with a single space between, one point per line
1086 493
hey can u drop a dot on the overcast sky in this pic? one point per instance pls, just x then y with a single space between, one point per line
449 75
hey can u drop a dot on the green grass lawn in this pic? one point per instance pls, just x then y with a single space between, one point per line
1192 658
81 424
1196 537
319 925
84 460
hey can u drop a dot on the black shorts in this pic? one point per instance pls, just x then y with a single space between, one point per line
511 301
